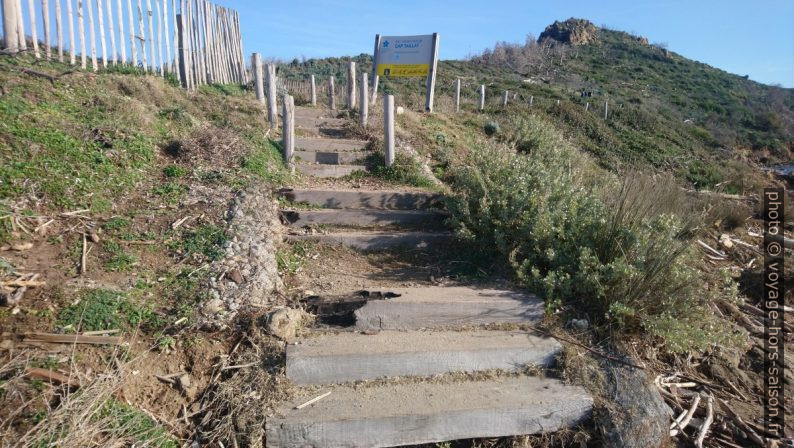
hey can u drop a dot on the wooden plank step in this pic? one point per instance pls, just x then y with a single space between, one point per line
448 307
315 112
367 241
328 170
351 356
363 199
330 158
423 219
424 412
330 144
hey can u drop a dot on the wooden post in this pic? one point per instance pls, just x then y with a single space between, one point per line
531 99
81 31
160 22
21 37
482 97
606 109
59 29
184 66
388 129
288 128
586 106
70 21
375 77
45 17
142 36
351 85
152 54
112 31
259 82
120 20
271 95
92 36
314 92
504 98
34 32
364 107
101 16
457 95
10 18
331 93
431 77
133 48
175 40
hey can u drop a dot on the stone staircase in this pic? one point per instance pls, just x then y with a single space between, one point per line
420 364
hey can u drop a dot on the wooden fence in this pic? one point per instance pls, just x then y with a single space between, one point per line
196 40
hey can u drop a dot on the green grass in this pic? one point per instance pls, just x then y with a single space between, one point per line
117 260
170 192
103 309
134 426
174 171
206 240
291 260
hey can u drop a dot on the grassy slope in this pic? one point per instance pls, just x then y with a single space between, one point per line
89 139
136 154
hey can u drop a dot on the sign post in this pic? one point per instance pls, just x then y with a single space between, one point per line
409 57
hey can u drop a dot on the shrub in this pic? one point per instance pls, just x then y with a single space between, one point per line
491 128
626 261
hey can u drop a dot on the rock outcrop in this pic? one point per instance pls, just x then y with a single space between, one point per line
635 416
572 31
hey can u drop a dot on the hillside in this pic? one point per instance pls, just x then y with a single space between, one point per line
711 128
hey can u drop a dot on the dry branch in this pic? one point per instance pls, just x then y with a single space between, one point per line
71 338
52 376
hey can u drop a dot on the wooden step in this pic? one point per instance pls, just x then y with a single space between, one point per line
328 170
330 144
351 356
363 199
448 307
374 240
417 219
425 412
330 158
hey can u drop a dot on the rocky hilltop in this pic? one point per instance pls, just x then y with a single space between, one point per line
572 31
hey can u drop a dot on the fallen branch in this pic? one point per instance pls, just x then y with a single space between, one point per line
712 250
52 376
752 435
683 420
83 256
47 76
71 338
313 400
704 428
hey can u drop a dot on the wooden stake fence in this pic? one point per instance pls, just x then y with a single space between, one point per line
210 39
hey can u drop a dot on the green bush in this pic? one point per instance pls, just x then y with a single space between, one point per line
491 128
627 261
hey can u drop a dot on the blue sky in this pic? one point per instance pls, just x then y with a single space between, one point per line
752 37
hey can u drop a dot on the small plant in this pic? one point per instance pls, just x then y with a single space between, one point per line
491 128
166 343
116 223
173 171
291 260
206 240
170 191
118 260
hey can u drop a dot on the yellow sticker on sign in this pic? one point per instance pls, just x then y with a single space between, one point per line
403 70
